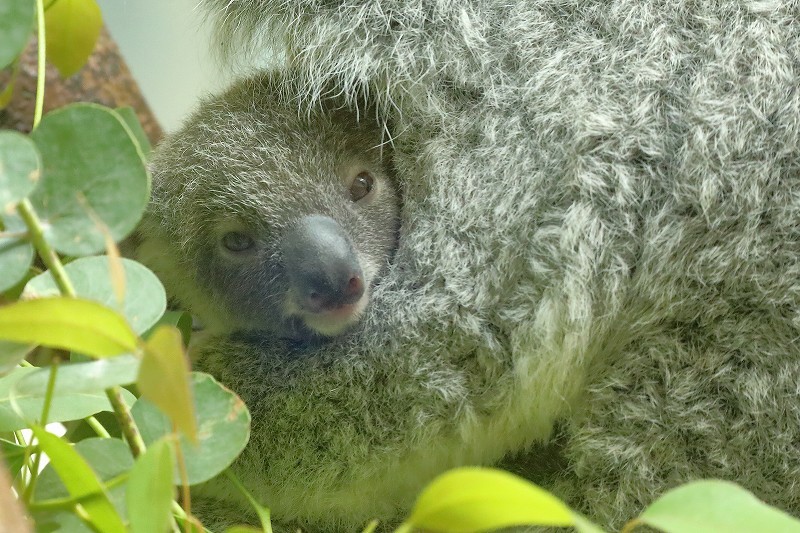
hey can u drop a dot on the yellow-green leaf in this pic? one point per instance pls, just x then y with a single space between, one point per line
481 499
81 481
164 379
69 324
72 29
150 490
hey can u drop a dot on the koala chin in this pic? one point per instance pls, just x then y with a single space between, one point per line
271 218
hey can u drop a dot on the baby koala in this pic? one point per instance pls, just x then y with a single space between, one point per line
271 218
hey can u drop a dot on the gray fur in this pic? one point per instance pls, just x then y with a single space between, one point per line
599 247
249 162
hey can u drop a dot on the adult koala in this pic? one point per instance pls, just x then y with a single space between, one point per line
599 247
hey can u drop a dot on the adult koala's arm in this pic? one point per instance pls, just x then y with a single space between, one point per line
600 227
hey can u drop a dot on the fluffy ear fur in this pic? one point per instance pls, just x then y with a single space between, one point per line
600 234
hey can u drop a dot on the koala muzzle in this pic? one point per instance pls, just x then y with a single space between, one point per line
321 264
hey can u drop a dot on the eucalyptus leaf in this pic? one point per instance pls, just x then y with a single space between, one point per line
150 491
81 481
67 323
108 458
132 121
179 319
11 354
18 410
14 456
164 379
73 27
16 253
223 423
16 24
475 499
714 505
20 166
94 176
144 302
80 378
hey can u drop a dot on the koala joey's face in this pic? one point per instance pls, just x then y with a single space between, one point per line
306 267
274 223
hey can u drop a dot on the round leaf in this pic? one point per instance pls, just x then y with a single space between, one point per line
108 458
11 353
67 323
16 24
482 499
223 424
93 176
19 166
80 480
715 506
16 253
144 302
72 30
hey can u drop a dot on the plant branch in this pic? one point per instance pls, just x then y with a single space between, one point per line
43 248
126 422
42 55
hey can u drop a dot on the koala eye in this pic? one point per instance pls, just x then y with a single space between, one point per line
237 242
361 186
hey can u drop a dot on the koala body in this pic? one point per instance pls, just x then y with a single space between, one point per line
287 218
599 250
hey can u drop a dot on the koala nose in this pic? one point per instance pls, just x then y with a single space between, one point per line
321 264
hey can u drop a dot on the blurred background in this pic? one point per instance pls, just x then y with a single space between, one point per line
166 45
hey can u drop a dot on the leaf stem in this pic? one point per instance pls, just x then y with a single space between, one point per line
45 251
41 74
97 427
68 502
48 400
126 422
263 512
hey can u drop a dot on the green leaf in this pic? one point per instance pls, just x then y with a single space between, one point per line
20 167
16 253
128 115
14 456
80 481
223 424
150 491
713 505
264 513
17 410
93 171
243 529
108 458
164 379
16 24
73 27
67 323
11 354
79 378
145 299
482 499
179 319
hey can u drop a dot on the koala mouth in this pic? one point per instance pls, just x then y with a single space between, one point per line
334 320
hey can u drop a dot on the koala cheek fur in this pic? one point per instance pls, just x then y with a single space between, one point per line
599 247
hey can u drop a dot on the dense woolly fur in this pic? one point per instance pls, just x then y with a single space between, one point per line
599 248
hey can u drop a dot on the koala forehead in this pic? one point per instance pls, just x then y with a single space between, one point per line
260 163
